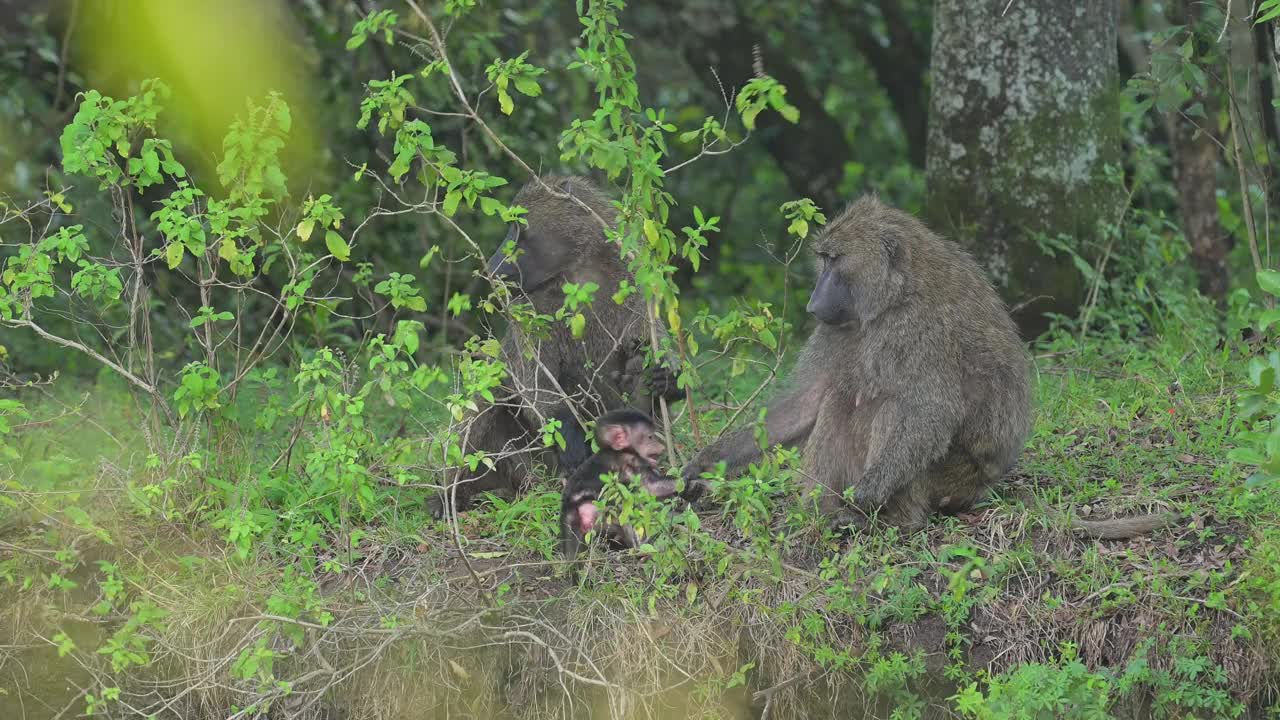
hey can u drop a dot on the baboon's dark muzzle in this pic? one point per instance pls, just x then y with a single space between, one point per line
500 267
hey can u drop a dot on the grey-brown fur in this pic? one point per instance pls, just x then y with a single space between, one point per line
913 390
564 242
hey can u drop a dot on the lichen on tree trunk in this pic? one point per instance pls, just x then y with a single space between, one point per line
1024 115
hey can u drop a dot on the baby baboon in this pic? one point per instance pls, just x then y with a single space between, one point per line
914 389
630 447
563 242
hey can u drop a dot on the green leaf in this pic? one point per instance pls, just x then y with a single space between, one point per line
195 241
173 254
1252 404
1273 443
1269 280
1246 456
426 259
304 229
528 86
416 303
650 231
1257 480
174 168
451 200
1266 319
407 334
151 161
768 339
789 112
337 246
228 251
1270 14
749 116
1262 375
504 102
577 325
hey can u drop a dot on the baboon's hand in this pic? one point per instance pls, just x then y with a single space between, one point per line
851 520
695 468
631 377
657 381
663 382
693 490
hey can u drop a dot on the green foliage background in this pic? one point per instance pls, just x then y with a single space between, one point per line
247 244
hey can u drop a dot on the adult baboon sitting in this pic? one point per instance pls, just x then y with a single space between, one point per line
913 391
562 242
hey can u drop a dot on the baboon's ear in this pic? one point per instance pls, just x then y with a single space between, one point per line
614 436
892 245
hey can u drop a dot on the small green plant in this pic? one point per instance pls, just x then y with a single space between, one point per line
1065 690
1259 444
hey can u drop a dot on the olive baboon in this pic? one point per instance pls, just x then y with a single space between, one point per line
629 446
563 242
914 389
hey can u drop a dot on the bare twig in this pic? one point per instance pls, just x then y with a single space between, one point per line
99 357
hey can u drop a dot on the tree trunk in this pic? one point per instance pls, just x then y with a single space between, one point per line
1195 174
1024 114
1193 150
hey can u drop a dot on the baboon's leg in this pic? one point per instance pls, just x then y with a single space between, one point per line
836 452
959 481
909 508
909 436
949 485
501 434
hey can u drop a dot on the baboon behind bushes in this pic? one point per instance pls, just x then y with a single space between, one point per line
563 242
913 390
